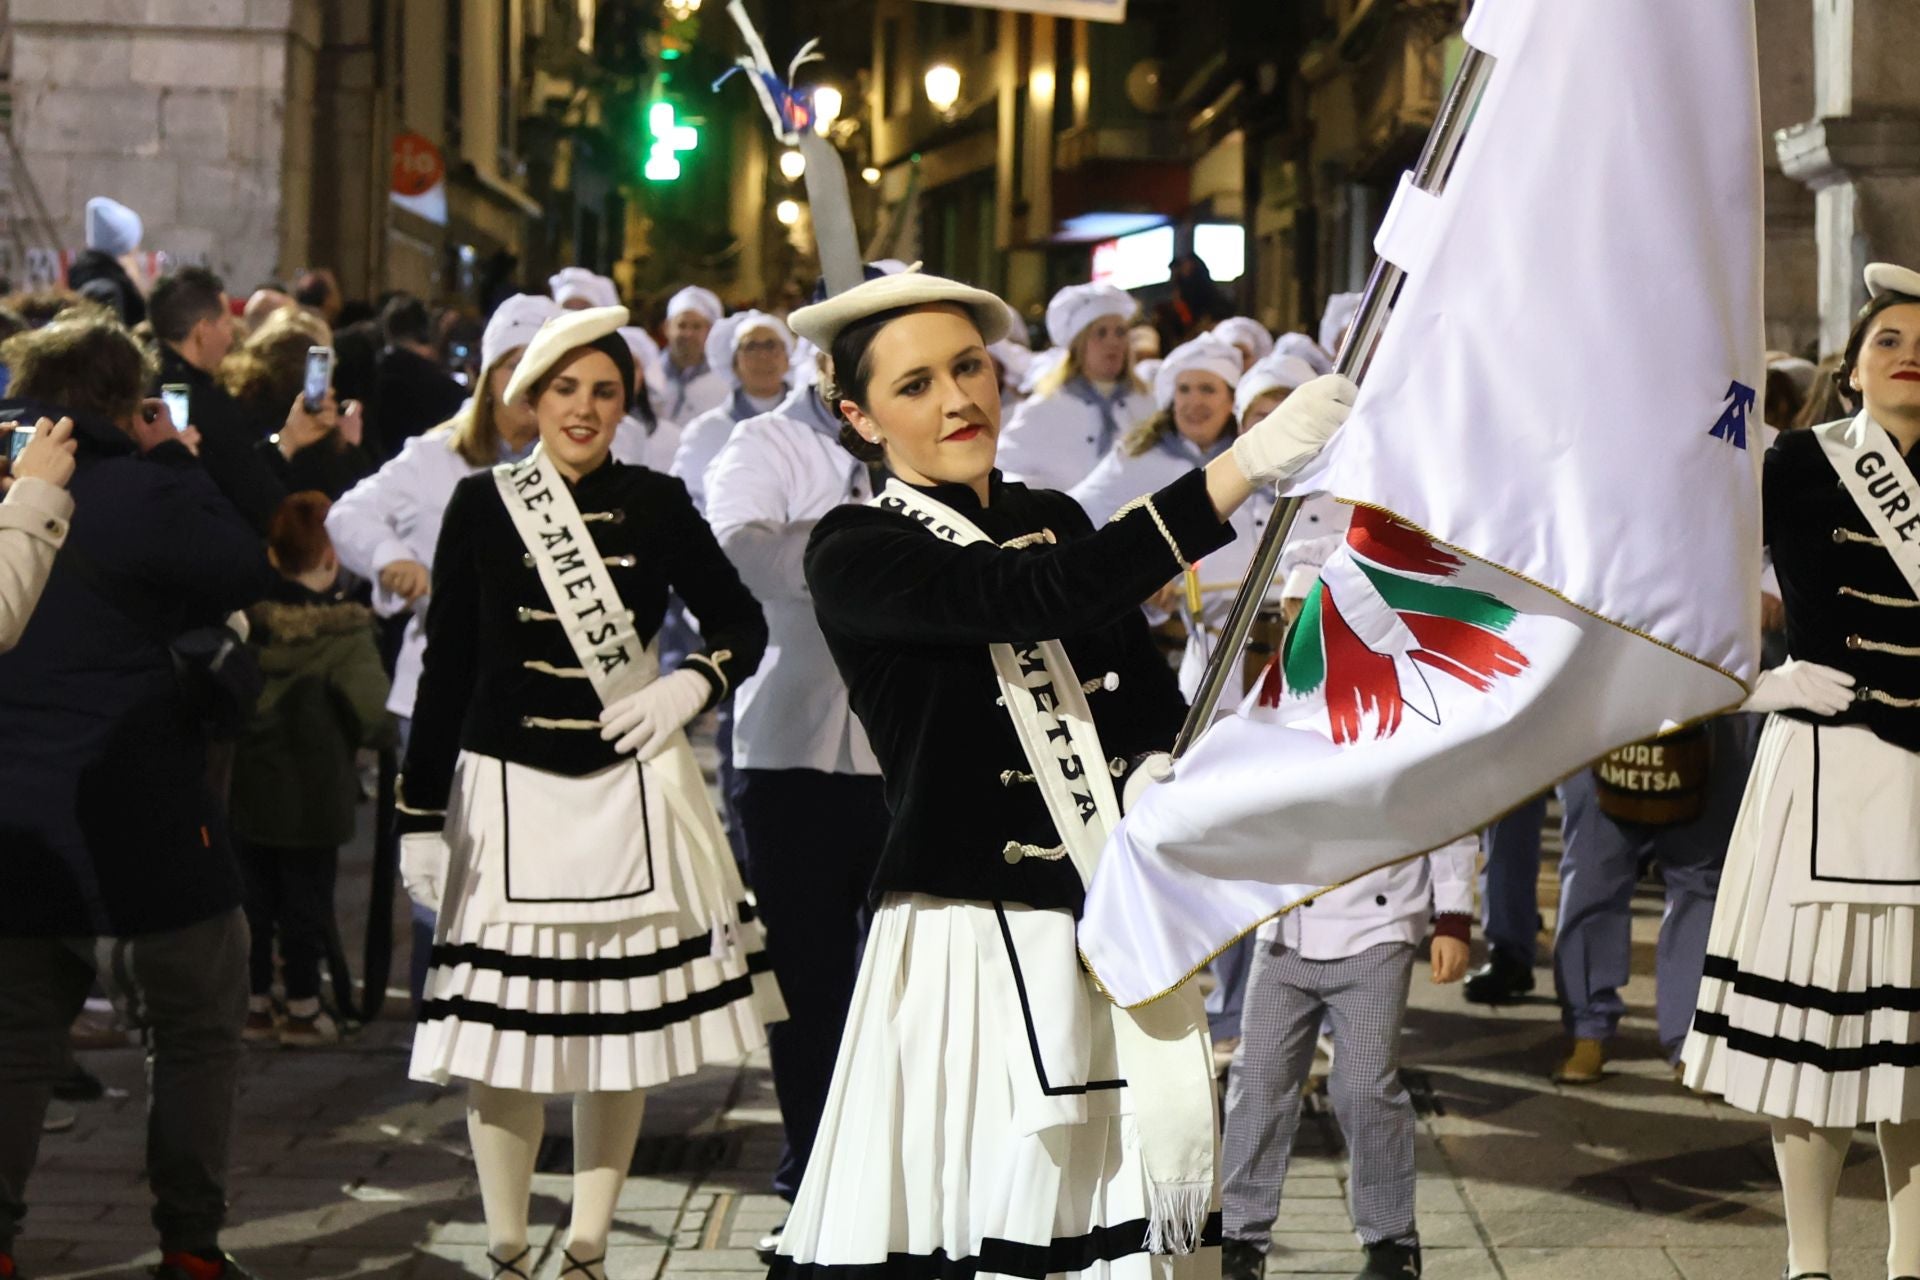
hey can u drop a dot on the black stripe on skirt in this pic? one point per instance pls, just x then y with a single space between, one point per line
1805 1053
630 1022
996 1257
1838 1004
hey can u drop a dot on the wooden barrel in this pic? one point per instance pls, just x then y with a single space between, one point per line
1661 782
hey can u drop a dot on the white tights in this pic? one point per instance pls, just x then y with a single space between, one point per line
504 1126
1810 1161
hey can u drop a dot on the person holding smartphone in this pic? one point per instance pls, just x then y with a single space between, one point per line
34 518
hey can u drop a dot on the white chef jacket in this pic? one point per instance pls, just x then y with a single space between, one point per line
680 402
1052 442
777 474
395 513
1394 904
707 434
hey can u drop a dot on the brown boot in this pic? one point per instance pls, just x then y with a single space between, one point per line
1586 1064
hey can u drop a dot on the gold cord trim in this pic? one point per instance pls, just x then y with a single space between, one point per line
1042 537
400 802
1015 852
1146 502
525 614
1860 645
1010 776
712 663
1888 699
548 669
542 722
1847 535
1892 602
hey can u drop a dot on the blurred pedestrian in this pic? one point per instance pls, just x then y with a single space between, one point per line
412 390
269 369
1249 335
576 289
295 784
1088 401
693 386
112 828
114 233
753 352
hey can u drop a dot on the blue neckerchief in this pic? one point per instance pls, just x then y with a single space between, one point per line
680 379
742 407
1084 391
806 405
1188 452
510 454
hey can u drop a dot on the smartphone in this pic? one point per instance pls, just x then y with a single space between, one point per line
18 440
319 376
178 400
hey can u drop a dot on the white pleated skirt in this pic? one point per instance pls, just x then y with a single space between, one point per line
919 1169
1807 1010
599 1007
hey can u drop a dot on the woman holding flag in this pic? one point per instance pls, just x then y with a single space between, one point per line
1809 1012
593 937
983 1112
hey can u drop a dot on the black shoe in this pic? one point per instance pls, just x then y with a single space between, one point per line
200 1266
1241 1260
768 1246
79 1085
1503 979
1390 1260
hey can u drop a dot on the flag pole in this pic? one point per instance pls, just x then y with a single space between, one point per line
1430 174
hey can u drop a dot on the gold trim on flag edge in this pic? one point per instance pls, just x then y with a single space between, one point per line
1194 972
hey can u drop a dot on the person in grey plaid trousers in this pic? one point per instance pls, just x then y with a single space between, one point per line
1345 957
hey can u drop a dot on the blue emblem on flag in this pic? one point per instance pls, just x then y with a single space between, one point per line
1732 426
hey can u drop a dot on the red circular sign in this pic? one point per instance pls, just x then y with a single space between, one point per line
417 165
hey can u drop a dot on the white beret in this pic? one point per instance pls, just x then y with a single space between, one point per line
1275 373
822 322
563 332
571 284
1301 347
112 228
1205 354
513 324
694 298
1885 277
1341 309
723 340
1079 305
1245 331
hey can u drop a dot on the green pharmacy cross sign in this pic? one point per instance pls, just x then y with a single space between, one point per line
670 138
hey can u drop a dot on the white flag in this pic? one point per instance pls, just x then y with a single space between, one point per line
1556 544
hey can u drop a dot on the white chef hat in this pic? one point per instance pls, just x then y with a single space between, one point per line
1079 305
1206 354
577 284
1301 347
646 354
822 322
1340 312
806 363
1017 329
1014 358
1275 373
723 340
694 298
1245 331
513 324
1882 277
1302 561
112 228
564 331
1796 370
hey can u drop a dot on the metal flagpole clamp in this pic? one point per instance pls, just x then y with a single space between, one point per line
1430 174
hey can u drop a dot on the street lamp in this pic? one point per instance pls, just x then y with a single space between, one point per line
787 212
870 176
943 87
826 107
793 165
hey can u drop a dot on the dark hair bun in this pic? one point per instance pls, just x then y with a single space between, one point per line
861 447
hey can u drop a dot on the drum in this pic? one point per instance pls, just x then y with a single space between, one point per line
1661 782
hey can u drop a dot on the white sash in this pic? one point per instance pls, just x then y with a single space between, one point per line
1162 1048
599 627
1881 485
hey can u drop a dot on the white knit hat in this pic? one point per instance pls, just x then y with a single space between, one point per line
694 298
1885 277
1301 347
822 322
1079 305
1205 354
564 331
723 340
1275 373
577 284
513 324
112 228
1340 312
1246 332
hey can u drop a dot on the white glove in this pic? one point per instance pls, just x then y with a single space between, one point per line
423 867
1157 767
1803 686
1290 437
644 722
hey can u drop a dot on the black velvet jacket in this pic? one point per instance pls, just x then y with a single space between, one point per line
1840 587
908 618
476 688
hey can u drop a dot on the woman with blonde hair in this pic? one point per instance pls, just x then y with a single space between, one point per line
1087 400
267 372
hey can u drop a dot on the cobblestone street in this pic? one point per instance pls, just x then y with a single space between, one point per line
342 1167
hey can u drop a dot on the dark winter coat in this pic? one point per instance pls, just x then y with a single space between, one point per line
294 781
97 268
233 447
106 822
